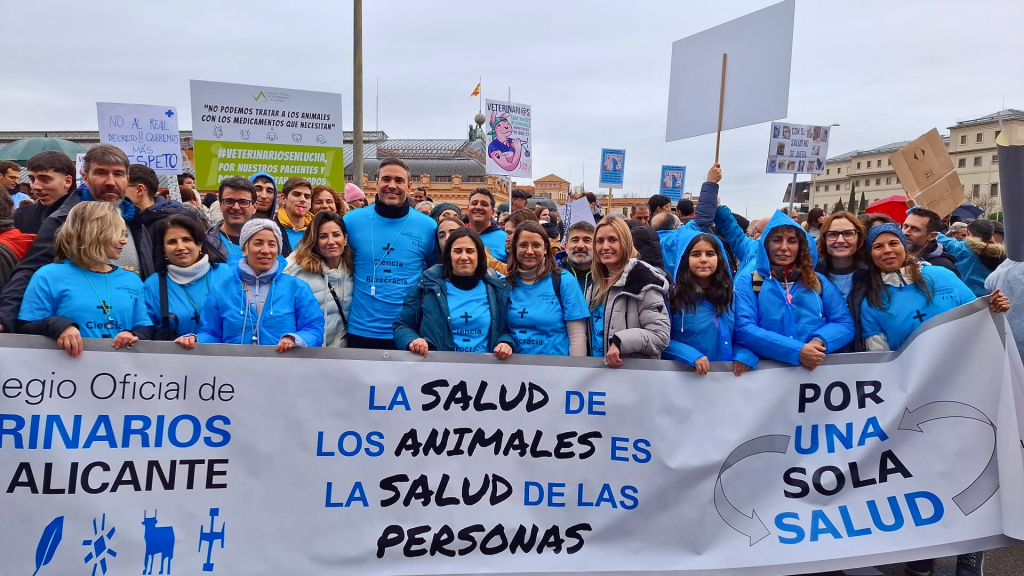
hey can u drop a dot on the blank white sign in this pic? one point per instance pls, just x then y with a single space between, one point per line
760 49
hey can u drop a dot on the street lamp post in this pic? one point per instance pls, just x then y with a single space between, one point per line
357 93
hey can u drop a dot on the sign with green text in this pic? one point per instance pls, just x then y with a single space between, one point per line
239 130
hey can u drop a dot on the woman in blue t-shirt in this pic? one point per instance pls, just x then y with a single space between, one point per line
456 306
186 274
547 313
904 293
83 295
703 318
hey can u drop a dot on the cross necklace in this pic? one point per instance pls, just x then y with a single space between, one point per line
106 308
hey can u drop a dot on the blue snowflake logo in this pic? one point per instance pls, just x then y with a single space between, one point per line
99 546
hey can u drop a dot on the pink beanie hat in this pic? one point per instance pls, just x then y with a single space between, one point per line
353 193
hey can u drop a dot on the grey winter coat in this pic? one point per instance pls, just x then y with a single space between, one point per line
635 312
336 320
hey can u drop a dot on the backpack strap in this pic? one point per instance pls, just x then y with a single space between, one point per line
165 317
556 283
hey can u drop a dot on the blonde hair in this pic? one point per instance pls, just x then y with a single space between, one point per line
91 227
604 278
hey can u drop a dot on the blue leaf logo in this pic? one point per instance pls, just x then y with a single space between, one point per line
48 542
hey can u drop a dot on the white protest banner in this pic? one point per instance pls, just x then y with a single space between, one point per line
672 180
613 165
760 50
797 148
148 134
508 139
239 130
362 462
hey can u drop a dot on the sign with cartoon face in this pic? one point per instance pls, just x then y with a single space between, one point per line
508 139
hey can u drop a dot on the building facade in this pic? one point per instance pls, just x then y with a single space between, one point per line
553 187
971 146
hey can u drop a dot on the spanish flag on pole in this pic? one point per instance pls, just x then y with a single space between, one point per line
476 91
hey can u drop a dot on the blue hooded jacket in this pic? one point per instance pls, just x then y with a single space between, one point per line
425 313
975 259
289 308
775 327
703 333
674 242
745 248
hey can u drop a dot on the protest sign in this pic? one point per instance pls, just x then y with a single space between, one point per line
508 139
797 148
147 134
672 179
347 462
239 130
927 174
79 170
574 211
756 89
613 164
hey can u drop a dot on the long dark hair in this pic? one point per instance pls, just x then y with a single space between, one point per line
878 291
481 257
812 218
307 253
547 265
187 224
686 293
804 260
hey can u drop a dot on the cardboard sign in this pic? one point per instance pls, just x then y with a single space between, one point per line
927 174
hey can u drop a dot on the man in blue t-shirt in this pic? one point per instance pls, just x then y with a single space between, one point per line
392 245
481 219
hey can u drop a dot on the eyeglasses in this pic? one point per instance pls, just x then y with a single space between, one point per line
846 234
229 202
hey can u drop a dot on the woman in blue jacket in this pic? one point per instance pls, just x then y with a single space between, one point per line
186 274
259 304
702 307
904 294
456 306
784 309
547 313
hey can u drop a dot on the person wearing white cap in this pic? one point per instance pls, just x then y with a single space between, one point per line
259 304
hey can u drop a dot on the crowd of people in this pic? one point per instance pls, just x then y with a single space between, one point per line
307 266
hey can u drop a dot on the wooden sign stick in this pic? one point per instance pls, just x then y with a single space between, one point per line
721 104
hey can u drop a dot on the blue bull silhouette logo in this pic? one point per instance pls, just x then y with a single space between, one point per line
159 540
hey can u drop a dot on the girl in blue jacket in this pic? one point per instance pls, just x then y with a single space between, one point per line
702 307
784 309
259 304
456 306
904 294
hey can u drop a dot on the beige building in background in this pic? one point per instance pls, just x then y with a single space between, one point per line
971 145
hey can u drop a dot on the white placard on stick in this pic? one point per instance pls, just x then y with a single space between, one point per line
148 134
760 50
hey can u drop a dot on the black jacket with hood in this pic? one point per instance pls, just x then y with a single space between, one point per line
936 255
41 254
29 219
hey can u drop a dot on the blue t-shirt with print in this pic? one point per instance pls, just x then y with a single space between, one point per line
597 332
185 303
294 236
101 304
538 321
470 314
908 308
495 241
390 254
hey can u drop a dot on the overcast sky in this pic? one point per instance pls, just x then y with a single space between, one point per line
596 73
